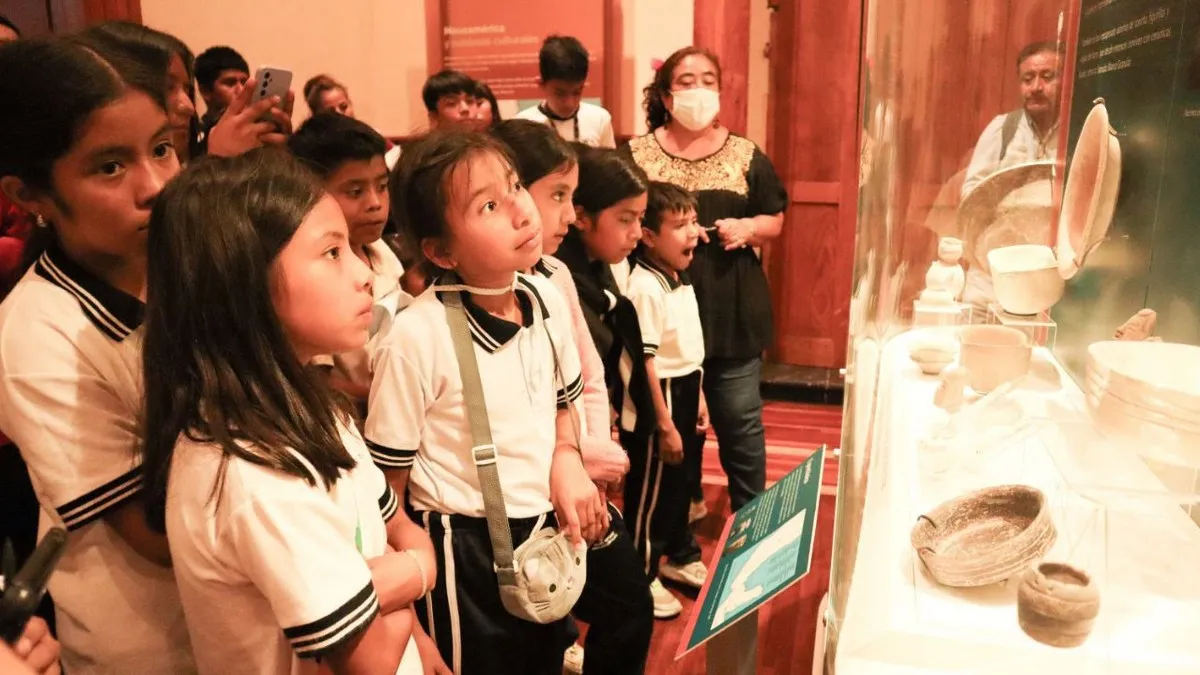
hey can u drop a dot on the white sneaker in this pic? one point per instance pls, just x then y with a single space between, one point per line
573 659
666 605
697 511
693 574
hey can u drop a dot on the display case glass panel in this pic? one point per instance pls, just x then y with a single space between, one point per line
1019 485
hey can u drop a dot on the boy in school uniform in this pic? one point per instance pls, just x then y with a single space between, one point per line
449 98
221 72
563 71
349 157
656 490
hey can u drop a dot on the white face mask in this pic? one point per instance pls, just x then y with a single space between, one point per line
477 290
695 108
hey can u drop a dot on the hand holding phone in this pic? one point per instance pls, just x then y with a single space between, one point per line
271 81
253 119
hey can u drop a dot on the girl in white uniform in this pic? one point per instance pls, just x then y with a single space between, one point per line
459 199
279 524
85 145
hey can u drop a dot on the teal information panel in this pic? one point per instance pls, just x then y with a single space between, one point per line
1143 58
766 546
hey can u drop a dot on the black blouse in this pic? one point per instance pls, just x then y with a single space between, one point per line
736 181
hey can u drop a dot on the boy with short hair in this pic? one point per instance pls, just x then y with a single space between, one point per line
221 72
563 71
348 155
449 98
657 492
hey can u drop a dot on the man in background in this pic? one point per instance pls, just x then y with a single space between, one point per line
1029 133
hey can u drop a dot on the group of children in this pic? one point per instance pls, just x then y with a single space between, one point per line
248 410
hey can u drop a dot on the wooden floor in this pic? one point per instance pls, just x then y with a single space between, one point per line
787 623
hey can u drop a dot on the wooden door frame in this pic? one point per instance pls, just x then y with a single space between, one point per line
724 27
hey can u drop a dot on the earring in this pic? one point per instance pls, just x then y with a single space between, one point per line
39 220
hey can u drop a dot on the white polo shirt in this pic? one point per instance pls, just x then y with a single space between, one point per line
591 124
272 569
669 317
389 298
71 400
417 415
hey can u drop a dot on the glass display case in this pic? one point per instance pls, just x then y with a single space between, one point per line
1019 485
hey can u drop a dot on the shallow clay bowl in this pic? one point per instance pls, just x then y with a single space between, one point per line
985 536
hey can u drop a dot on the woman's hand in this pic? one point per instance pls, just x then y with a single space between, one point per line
703 422
581 512
37 648
736 232
242 127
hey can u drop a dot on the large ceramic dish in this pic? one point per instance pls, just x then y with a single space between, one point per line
1014 205
1090 195
1147 393
985 536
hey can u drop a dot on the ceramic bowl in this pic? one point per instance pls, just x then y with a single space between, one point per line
1057 604
1025 278
985 536
933 351
994 355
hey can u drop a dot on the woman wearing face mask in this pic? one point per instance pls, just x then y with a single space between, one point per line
740 205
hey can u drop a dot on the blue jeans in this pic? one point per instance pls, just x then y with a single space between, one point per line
735 406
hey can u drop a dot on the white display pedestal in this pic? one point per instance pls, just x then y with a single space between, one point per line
1141 551
1041 329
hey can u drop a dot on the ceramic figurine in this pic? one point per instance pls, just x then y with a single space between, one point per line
945 279
1057 604
1139 327
951 393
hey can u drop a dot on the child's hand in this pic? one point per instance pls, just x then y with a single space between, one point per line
670 445
702 420
431 658
240 128
581 512
37 649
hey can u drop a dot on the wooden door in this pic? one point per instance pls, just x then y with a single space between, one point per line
814 60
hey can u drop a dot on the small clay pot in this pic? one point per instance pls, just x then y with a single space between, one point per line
1057 604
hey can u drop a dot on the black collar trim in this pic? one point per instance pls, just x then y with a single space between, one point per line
491 332
546 266
669 282
114 312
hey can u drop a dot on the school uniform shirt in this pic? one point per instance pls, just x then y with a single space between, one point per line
273 570
613 323
595 420
591 124
389 298
669 317
416 416
990 155
71 400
